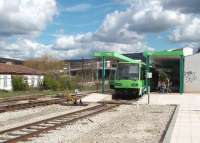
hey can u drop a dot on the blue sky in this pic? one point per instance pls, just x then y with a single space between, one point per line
84 16
70 29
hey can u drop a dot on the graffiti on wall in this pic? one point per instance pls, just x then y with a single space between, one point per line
191 76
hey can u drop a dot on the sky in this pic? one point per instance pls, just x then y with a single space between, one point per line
72 29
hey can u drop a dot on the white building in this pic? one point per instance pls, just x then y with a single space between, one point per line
31 76
192 73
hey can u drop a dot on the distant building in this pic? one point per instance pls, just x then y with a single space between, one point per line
11 61
31 76
87 69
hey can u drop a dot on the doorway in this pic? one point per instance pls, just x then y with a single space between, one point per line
165 67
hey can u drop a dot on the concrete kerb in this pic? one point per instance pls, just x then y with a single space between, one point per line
170 126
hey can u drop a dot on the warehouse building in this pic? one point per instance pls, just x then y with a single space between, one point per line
88 69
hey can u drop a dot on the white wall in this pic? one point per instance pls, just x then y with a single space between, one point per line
5 82
34 80
192 74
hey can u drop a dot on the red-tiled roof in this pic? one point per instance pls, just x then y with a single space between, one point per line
18 69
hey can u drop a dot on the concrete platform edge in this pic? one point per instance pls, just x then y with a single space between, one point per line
170 126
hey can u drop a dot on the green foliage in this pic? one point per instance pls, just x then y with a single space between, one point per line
58 82
49 83
18 83
163 76
45 63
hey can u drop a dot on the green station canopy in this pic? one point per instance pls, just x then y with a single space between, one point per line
164 53
118 56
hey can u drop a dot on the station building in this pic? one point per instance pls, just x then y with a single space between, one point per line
181 65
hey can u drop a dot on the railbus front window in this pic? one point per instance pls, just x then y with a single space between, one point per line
128 72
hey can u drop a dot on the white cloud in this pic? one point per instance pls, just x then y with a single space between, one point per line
144 18
185 6
187 33
65 42
124 31
77 8
180 16
120 31
155 19
25 17
85 45
23 49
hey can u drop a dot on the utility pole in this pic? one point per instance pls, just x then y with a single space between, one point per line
82 71
69 70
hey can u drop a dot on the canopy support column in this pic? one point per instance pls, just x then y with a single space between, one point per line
181 88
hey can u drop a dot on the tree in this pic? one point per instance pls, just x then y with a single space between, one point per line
19 84
45 63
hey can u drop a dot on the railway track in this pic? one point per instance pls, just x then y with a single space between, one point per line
28 131
23 102
32 101
28 104
20 98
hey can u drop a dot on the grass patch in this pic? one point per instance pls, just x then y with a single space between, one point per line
6 94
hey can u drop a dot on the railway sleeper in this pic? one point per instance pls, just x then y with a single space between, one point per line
31 129
45 125
27 131
5 138
36 128
14 134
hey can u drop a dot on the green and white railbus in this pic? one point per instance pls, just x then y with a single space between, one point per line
129 80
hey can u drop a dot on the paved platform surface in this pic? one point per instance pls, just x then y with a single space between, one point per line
187 126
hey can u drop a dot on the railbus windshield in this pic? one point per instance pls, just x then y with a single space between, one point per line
127 72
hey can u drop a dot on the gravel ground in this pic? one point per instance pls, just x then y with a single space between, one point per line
29 115
95 97
127 123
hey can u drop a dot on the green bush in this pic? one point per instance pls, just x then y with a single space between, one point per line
18 83
49 83
58 82
163 76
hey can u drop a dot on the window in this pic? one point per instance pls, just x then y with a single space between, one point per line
32 81
127 72
1 79
142 73
5 81
25 79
